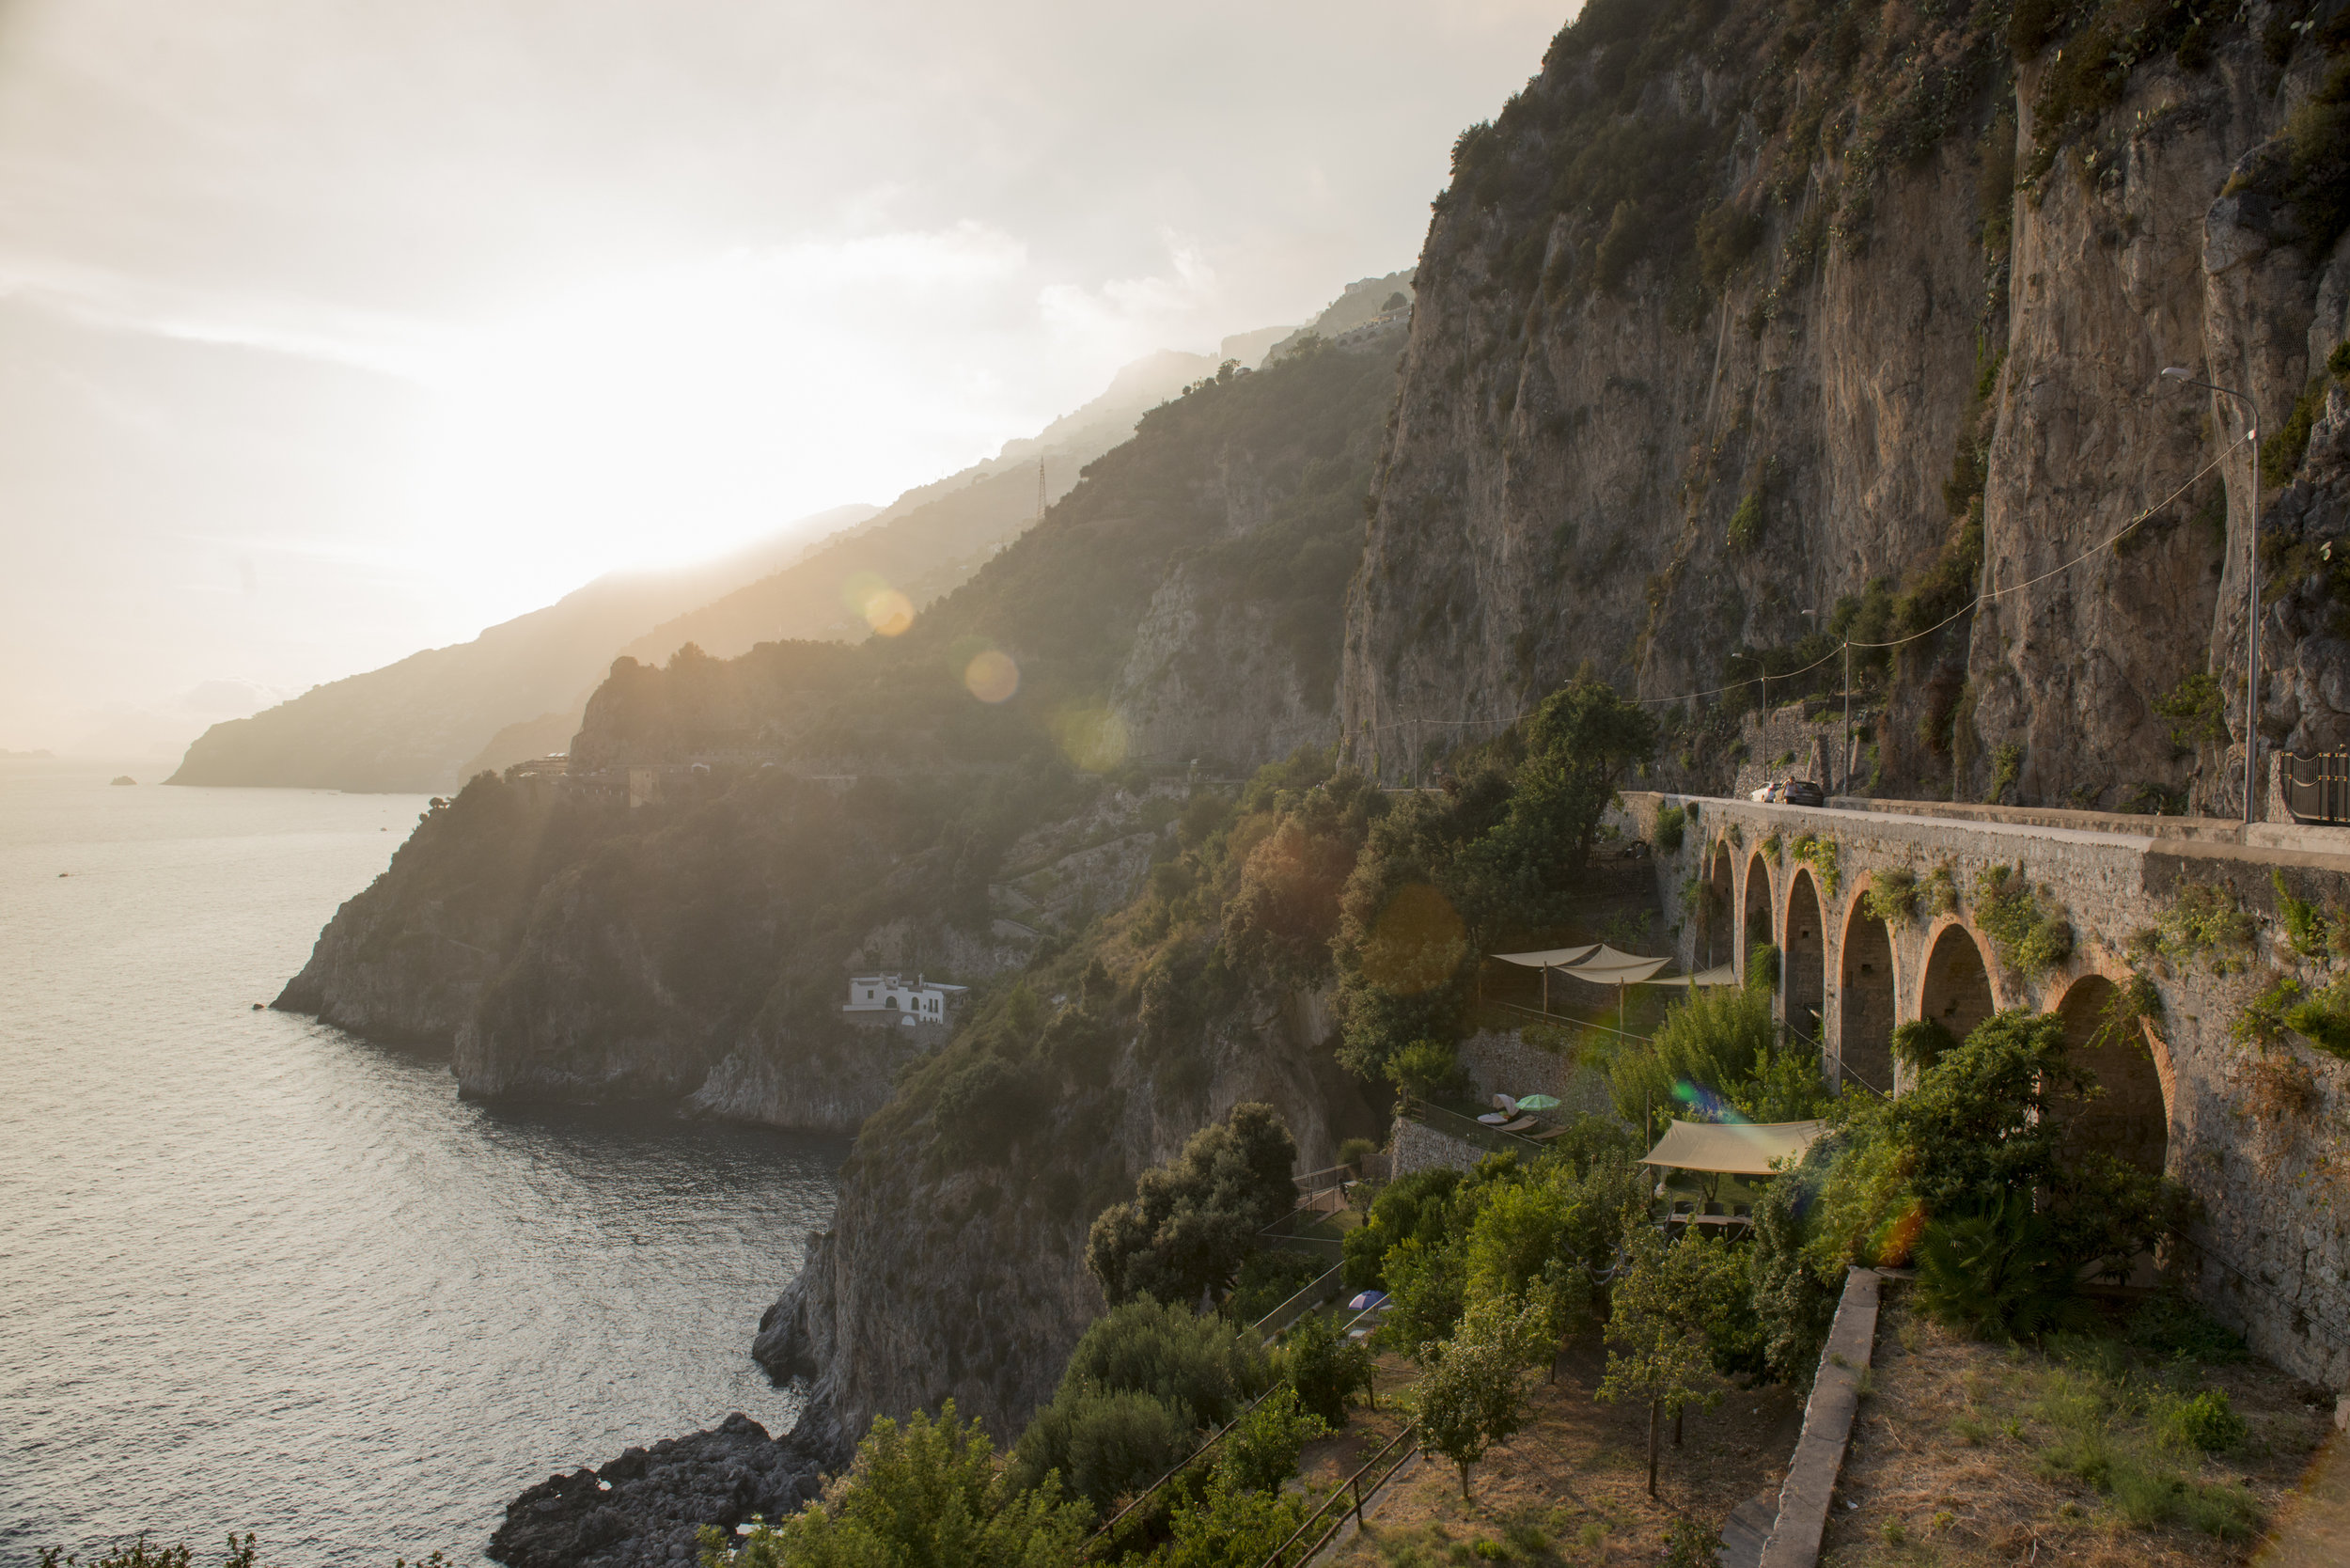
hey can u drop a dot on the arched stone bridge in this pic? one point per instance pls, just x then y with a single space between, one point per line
2261 1134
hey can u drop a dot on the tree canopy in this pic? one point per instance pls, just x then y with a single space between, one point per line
1193 1221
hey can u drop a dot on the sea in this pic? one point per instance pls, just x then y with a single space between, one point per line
257 1275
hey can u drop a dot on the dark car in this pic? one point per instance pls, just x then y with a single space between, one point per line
1803 792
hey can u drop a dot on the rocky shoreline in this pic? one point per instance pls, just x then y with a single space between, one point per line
645 1508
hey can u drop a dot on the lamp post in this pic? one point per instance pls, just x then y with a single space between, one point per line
2252 583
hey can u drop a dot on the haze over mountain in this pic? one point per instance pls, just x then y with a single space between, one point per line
431 720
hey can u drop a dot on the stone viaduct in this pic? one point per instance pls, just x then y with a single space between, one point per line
2260 1133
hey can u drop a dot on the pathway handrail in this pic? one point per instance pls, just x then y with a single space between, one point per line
1349 1490
1342 1174
1470 1130
1299 1304
1184 1464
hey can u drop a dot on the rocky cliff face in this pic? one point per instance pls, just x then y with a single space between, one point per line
955 1267
568 950
1741 320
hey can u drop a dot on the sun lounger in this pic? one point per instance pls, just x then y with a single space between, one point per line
1547 1134
1521 1125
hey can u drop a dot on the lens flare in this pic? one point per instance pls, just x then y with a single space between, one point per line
993 677
1092 738
884 609
1898 1236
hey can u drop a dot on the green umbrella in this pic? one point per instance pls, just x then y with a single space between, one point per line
1539 1102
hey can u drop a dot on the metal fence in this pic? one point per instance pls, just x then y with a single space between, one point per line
2317 788
1469 1130
1325 1289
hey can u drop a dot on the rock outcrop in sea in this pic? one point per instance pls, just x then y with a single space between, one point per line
645 1508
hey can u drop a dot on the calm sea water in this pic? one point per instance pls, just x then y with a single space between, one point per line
256 1274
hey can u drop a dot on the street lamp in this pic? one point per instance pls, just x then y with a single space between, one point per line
2252 580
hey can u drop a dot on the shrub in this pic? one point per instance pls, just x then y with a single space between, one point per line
2262 1022
1670 823
2172 1326
2204 920
2322 1018
1326 1367
1820 854
1762 966
1921 1042
2193 711
1410 1207
1893 897
1940 891
2006 766
2031 935
1977 1127
1701 1055
1103 1445
1745 523
2306 926
1997 1274
2207 1422
1794 1302
925 1491
1426 1068
1205 1366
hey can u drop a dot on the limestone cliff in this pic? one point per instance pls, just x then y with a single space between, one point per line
1742 319
955 1265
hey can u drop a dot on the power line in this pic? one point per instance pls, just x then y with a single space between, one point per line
1844 645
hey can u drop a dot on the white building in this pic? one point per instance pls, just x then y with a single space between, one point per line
886 998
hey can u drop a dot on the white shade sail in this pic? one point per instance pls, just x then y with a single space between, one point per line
1607 966
1743 1149
1721 974
1551 958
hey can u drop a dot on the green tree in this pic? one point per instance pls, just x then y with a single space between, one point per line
1243 1513
1411 1205
1141 1384
1581 744
1667 1298
1325 1367
1474 1394
1704 1051
1192 1220
919 1496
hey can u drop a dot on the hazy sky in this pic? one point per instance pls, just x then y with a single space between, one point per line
331 329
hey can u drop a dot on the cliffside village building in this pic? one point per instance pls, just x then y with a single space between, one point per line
888 998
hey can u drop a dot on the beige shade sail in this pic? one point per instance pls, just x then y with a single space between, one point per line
1721 974
1550 958
1607 966
1745 1149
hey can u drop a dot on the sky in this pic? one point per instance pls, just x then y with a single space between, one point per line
331 329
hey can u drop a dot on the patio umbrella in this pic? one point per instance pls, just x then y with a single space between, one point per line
1538 1102
1368 1300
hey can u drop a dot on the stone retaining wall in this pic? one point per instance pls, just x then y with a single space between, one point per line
1810 1489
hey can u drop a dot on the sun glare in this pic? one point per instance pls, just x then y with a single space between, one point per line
671 416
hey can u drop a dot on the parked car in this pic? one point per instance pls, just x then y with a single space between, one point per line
1802 791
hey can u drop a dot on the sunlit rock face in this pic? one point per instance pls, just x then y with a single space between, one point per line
1650 419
